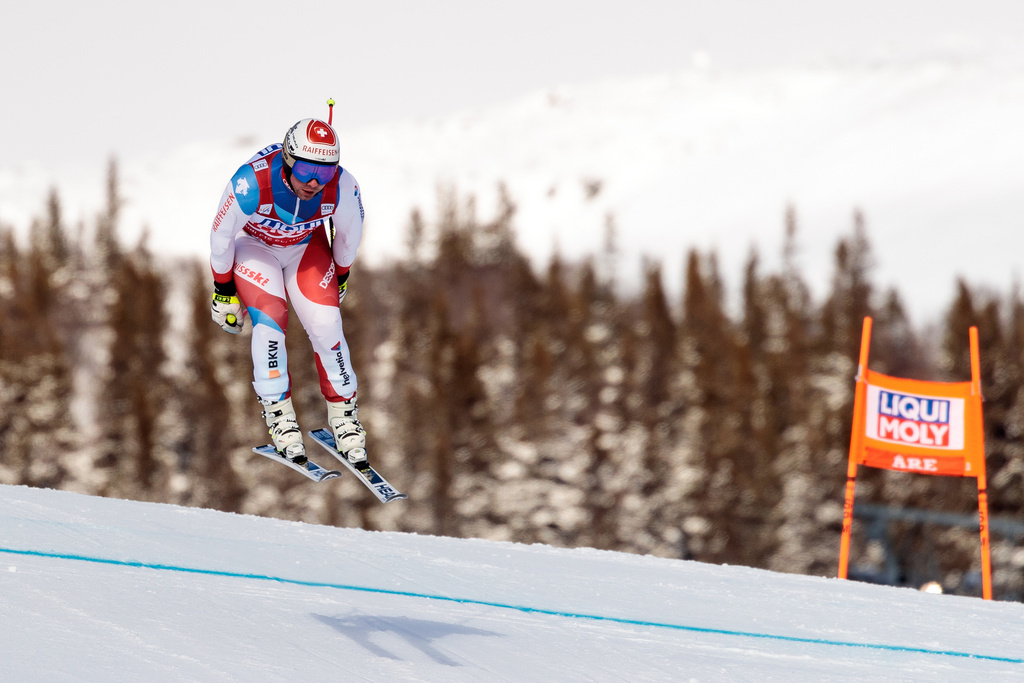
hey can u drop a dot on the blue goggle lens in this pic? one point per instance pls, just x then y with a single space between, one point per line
305 171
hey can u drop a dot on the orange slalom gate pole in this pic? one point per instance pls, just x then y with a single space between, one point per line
856 438
844 544
986 560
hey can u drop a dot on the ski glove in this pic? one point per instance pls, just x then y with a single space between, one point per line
342 286
226 309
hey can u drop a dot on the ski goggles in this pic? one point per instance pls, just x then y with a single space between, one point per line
305 171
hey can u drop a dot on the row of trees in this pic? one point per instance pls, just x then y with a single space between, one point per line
510 404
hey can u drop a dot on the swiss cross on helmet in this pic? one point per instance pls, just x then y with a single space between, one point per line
311 140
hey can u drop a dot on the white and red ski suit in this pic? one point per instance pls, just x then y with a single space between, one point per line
275 245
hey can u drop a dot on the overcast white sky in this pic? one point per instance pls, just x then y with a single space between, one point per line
84 80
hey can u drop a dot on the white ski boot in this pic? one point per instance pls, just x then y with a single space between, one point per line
349 435
284 430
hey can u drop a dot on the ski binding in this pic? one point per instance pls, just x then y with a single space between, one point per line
308 469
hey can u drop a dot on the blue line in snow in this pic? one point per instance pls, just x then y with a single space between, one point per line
518 608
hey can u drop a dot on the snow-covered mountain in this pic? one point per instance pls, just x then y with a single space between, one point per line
927 148
98 589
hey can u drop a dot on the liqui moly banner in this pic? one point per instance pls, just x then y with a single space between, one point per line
906 419
915 426
919 427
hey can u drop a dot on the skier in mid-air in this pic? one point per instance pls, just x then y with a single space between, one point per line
288 225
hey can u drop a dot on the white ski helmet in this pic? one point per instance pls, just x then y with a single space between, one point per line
311 140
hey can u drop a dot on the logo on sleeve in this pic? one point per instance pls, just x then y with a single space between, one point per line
223 212
259 165
326 209
242 187
265 209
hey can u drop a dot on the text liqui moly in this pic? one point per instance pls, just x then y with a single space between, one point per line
922 421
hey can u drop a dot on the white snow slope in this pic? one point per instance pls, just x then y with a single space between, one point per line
107 590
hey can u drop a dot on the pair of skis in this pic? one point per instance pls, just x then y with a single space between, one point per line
368 476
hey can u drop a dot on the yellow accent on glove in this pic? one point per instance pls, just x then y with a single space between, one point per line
226 311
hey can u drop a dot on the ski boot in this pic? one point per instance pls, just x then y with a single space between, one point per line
349 435
284 430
